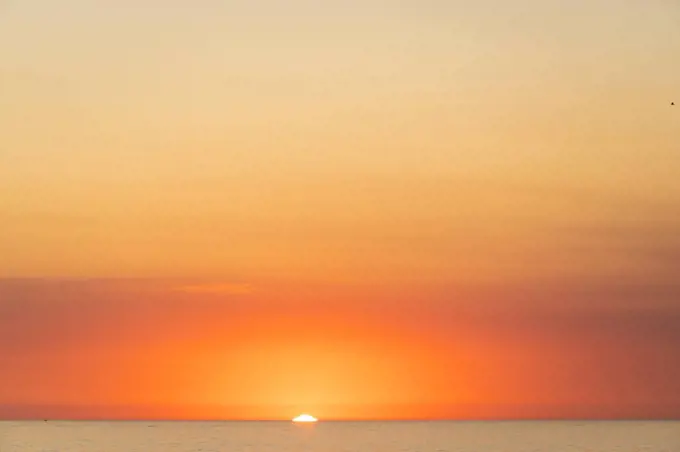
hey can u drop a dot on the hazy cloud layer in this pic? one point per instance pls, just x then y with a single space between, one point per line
584 345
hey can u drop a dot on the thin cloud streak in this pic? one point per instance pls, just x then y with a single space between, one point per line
218 288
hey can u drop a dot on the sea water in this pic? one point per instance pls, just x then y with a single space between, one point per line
439 436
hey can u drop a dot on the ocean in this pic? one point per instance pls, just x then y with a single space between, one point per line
426 436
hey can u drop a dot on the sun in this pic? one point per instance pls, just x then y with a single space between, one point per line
304 418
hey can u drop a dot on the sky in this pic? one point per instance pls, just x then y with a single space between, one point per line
361 210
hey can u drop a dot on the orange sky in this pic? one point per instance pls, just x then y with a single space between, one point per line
158 348
353 209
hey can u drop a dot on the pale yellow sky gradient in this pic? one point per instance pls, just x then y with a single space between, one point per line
289 137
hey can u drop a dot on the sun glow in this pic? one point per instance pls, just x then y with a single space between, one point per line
305 418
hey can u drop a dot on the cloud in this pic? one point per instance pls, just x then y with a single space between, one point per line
220 288
55 314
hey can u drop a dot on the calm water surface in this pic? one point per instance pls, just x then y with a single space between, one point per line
340 436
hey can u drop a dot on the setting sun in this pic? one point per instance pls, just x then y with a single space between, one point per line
304 418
